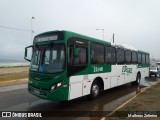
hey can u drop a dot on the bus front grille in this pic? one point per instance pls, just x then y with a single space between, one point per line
39 77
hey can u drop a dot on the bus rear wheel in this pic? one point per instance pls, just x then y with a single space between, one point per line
95 90
138 79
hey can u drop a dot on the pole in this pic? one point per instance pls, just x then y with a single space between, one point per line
113 37
32 29
102 31
103 34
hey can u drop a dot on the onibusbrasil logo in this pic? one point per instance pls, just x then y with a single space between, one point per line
20 114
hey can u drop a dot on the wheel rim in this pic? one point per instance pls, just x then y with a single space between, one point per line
138 80
95 90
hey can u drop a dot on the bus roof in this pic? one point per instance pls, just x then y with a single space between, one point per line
69 34
124 46
143 52
73 34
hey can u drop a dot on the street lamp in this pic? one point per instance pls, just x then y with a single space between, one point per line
32 28
102 31
113 37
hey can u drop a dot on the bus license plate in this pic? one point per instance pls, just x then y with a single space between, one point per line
36 91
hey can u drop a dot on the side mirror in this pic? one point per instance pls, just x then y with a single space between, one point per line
28 53
75 52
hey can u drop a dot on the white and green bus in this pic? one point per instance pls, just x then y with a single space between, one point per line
66 65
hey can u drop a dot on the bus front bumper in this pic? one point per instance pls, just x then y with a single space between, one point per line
59 94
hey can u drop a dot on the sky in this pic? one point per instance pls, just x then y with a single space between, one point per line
134 22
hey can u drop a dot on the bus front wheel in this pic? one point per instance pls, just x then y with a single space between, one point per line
95 90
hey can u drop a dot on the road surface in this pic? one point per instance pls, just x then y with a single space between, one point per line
16 98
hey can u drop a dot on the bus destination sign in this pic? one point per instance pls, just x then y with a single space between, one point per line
45 38
49 37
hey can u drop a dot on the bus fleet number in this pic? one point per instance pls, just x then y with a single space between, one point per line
97 69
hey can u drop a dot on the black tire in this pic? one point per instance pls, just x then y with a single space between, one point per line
138 79
95 90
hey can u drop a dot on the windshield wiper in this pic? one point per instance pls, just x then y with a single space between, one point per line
36 50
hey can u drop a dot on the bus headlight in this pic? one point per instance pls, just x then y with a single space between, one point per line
59 84
56 86
53 87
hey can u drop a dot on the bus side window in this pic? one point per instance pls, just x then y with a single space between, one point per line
110 55
139 58
70 58
143 59
82 56
120 56
147 59
134 57
81 59
97 53
128 56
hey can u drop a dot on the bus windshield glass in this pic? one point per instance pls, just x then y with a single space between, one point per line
48 58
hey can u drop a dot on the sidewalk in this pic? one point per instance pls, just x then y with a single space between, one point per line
145 103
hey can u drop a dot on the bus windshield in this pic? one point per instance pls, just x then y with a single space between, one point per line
48 58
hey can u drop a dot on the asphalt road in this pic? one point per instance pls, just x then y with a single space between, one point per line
16 98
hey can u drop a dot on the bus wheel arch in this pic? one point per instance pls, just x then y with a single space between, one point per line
96 87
